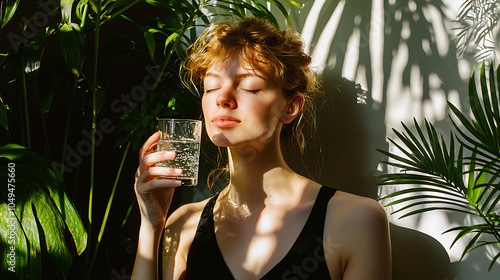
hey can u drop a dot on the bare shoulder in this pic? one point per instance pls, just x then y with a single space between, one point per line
353 217
179 233
185 216
359 226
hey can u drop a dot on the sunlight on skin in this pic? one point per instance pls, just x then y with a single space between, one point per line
264 241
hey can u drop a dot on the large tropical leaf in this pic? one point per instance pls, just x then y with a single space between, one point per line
72 46
42 219
465 179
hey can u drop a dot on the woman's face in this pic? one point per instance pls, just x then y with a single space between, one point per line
240 105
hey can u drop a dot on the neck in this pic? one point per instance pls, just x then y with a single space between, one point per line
258 173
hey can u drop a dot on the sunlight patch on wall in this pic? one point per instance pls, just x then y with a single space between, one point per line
396 107
310 24
464 69
435 108
416 85
322 49
351 57
433 16
377 51
434 224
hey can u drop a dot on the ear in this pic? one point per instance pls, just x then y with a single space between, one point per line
294 107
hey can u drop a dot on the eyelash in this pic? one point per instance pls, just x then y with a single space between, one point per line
252 91
210 90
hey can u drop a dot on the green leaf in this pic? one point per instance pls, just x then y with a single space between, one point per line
470 245
283 10
3 115
422 189
81 9
72 47
169 40
46 89
294 3
150 42
427 198
7 10
43 211
493 261
66 7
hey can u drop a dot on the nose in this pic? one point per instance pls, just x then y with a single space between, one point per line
225 98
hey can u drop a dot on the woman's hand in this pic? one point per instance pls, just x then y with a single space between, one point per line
154 195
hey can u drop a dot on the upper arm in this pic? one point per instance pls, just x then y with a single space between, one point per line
365 237
177 238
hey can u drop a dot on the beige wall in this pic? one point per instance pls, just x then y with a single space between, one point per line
402 52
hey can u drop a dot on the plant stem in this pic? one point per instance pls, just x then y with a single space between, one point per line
94 120
122 10
495 233
25 101
174 46
42 119
66 129
108 208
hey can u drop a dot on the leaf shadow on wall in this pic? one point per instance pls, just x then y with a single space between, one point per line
343 156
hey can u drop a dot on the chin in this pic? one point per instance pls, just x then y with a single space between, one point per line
219 139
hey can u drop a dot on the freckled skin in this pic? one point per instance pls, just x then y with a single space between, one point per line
246 95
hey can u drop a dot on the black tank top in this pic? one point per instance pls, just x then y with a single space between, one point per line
304 260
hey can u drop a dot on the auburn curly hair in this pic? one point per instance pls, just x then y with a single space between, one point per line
279 54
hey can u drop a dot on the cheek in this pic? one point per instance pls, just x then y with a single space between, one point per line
205 105
268 111
206 110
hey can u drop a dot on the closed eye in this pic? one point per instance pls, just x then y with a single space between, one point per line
209 90
252 90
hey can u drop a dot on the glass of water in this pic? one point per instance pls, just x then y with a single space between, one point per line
183 137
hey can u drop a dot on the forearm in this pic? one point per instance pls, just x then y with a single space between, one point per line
146 260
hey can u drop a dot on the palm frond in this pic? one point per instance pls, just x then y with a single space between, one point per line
461 176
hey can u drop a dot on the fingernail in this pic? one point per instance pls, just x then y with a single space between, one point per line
170 153
178 171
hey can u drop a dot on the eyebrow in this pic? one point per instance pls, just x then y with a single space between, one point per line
238 76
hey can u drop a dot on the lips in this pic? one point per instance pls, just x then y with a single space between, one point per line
225 121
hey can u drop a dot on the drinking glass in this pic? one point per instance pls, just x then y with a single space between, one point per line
182 136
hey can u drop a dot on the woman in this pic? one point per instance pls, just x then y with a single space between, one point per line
269 222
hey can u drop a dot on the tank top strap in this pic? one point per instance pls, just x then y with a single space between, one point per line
205 261
317 217
205 228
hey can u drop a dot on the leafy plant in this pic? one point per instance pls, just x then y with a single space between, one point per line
40 225
461 176
60 61
477 22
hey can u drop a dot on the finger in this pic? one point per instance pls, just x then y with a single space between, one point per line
149 144
158 184
154 172
153 158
